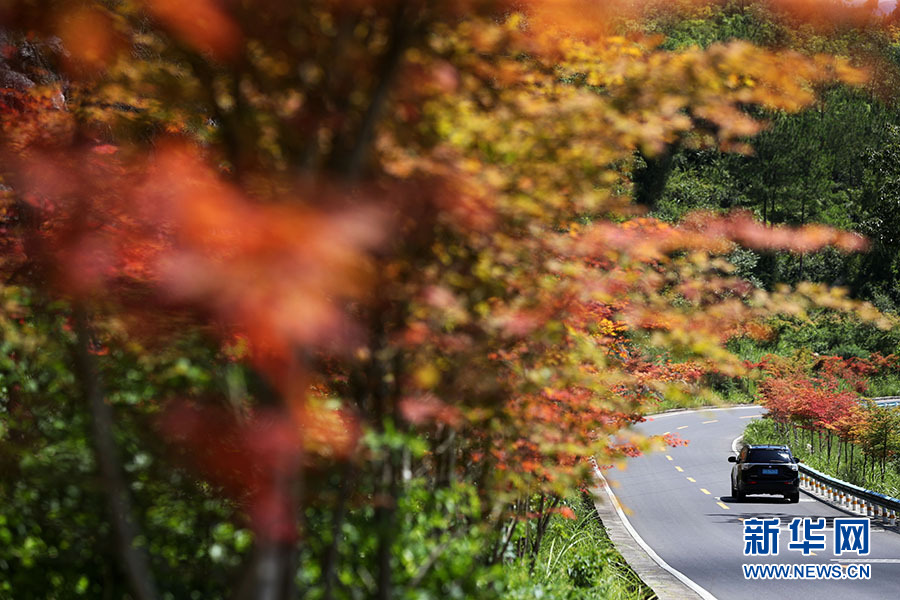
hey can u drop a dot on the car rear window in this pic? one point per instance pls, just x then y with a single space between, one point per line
761 455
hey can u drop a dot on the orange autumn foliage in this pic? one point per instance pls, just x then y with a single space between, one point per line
417 210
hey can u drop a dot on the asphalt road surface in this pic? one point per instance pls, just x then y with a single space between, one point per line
679 502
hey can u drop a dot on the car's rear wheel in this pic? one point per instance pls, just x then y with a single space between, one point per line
793 498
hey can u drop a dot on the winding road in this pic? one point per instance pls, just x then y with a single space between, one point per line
678 502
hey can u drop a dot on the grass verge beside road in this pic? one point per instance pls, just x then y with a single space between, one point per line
577 561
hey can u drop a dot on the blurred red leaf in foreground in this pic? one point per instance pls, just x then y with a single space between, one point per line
202 24
253 460
275 272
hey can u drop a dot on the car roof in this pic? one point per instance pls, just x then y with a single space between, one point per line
768 447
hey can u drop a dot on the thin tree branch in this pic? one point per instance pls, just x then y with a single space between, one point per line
433 558
509 536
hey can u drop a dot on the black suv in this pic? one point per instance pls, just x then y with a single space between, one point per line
765 470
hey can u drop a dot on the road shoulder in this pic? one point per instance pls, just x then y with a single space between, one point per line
664 584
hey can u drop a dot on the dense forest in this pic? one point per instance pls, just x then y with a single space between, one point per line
833 163
338 299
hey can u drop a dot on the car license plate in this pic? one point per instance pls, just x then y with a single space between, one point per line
770 471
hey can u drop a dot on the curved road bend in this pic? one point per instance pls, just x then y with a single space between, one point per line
679 502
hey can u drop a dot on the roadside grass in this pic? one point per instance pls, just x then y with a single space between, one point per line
666 404
725 395
577 561
748 349
808 448
884 385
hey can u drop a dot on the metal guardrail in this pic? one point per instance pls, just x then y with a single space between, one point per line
850 497
886 400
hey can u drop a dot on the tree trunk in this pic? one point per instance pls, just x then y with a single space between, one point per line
330 559
650 181
353 158
542 523
385 514
865 466
840 448
538 534
852 449
134 560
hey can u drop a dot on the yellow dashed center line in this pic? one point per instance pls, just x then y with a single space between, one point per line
723 505
705 491
708 422
668 457
683 427
667 433
679 469
692 480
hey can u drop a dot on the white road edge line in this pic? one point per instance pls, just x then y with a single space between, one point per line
650 552
700 410
887 561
